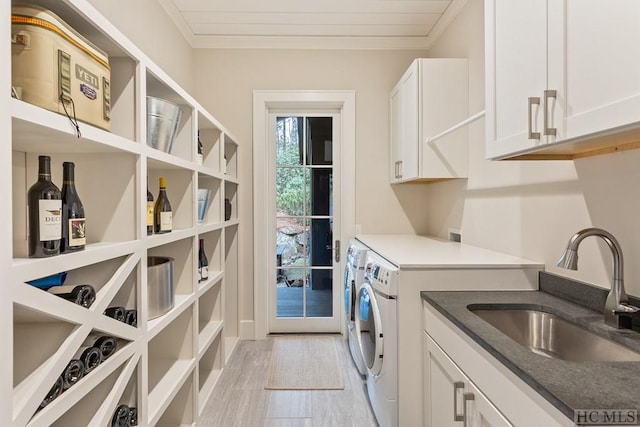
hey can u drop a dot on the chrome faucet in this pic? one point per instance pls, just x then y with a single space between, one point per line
617 311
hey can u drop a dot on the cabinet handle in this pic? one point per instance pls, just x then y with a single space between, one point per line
396 169
465 399
458 385
547 95
400 169
533 100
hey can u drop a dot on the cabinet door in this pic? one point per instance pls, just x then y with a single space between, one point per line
516 65
594 64
410 121
479 412
395 107
443 387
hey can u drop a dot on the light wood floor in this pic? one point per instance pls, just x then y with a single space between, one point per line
239 398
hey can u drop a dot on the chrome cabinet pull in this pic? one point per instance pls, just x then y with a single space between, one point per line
400 169
547 95
533 100
465 399
458 385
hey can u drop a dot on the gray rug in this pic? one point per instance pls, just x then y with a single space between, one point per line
304 363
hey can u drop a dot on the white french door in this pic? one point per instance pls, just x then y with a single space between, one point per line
304 186
301 261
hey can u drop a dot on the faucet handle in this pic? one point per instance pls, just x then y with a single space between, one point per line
625 309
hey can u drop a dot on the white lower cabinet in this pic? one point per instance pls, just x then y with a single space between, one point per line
464 385
451 399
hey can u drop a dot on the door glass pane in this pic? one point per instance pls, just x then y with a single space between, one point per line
321 243
289 137
319 295
319 141
292 191
290 293
321 189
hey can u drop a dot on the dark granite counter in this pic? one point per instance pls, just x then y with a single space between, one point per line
568 386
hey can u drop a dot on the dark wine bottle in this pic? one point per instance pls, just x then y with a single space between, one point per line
131 318
117 313
107 346
90 357
45 213
121 416
200 154
56 390
74 236
149 212
203 263
72 373
162 215
83 295
133 416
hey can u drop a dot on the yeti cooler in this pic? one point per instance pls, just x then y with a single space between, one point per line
56 68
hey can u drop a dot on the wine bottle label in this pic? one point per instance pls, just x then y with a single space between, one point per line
50 215
204 272
199 274
166 221
149 214
199 158
77 236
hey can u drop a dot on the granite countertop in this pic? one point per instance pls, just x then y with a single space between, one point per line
568 386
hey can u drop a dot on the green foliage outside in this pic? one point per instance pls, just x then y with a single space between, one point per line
290 182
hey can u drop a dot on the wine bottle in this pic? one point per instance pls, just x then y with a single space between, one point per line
162 215
45 213
224 165
74 237
133 416
72 373
203 263
150 206
131 318
83 295
90 357
121 416
56 390
117 313
200 154
107 346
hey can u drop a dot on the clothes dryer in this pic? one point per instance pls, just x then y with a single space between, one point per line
353 277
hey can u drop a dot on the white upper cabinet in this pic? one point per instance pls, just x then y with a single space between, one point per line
431 97
561 77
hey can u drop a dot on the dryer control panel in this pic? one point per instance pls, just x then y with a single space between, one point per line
382 275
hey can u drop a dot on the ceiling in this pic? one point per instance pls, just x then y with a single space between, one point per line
312 24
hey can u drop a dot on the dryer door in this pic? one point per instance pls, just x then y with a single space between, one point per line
349 293
369 328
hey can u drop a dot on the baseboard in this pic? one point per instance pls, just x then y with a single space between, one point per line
247 330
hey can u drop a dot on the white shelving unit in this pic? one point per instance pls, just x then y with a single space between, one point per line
166 367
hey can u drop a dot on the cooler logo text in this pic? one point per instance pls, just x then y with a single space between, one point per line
87 76
88 91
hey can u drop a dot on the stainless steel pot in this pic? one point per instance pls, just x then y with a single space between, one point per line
160 289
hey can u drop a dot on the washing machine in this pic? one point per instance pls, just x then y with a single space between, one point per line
376 324
353 277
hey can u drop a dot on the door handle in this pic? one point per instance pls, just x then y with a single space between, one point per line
335 248
547 95
533 100
458 385
465 399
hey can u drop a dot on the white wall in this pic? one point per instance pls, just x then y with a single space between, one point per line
531 209
148 26
231 76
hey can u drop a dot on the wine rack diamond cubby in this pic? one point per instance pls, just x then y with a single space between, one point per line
67 362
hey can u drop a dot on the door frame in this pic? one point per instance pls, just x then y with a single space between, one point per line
263 252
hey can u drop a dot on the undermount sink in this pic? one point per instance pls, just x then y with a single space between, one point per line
549 335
